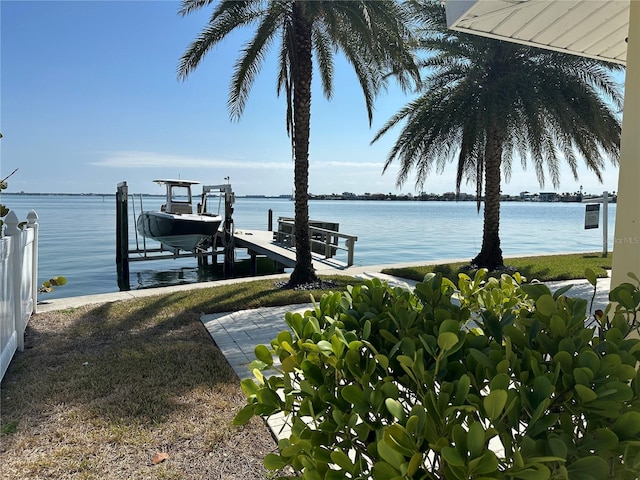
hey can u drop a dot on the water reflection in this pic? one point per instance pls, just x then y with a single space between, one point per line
149 278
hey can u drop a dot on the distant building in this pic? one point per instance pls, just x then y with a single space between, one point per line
449 196
548 197
526 196
377 196
466 197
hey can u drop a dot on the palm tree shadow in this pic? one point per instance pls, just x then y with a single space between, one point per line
127 362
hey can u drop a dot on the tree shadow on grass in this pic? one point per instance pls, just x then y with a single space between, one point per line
106 386
133 365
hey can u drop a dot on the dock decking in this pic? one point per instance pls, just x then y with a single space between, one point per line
260 242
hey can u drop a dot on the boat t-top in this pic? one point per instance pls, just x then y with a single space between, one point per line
175 225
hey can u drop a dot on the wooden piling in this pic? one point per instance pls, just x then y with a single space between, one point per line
122 236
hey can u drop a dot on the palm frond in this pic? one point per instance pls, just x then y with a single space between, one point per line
189 6
250 62
228 16
324 55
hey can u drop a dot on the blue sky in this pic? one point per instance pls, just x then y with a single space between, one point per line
90 97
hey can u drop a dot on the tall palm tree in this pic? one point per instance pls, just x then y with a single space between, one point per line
485 102
373 36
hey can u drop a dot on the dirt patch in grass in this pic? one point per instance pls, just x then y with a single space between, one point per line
100 390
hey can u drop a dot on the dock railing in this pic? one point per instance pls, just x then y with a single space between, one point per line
324 241
18 283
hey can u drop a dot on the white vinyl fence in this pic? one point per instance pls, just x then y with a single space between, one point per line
18 283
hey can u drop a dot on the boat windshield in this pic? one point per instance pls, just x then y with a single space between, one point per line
180 194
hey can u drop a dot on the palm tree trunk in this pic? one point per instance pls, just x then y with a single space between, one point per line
490 255
301 72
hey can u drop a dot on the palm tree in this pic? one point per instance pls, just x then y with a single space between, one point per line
373 36
486 102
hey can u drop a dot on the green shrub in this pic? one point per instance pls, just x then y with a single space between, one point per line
492 379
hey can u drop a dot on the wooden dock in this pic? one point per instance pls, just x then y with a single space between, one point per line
277 245
260 242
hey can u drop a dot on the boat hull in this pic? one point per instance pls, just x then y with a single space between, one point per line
182 231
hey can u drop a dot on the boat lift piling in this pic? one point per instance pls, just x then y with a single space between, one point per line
122 236
226 235
124 255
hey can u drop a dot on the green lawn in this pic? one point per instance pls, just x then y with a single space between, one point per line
544 268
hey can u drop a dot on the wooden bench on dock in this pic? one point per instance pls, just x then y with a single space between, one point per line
279 246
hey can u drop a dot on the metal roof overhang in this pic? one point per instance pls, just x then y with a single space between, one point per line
591 28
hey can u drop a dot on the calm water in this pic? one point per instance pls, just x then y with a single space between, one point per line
77 234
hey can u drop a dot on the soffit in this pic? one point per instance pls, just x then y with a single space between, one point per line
591 28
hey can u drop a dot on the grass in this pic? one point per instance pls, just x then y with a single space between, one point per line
544 268
101 389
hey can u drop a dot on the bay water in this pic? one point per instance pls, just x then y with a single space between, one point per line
77 234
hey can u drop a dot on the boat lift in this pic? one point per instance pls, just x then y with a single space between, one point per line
221 244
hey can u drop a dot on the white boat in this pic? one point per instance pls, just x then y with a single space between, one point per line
175 225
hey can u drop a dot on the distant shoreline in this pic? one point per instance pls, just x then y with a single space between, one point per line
430 197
